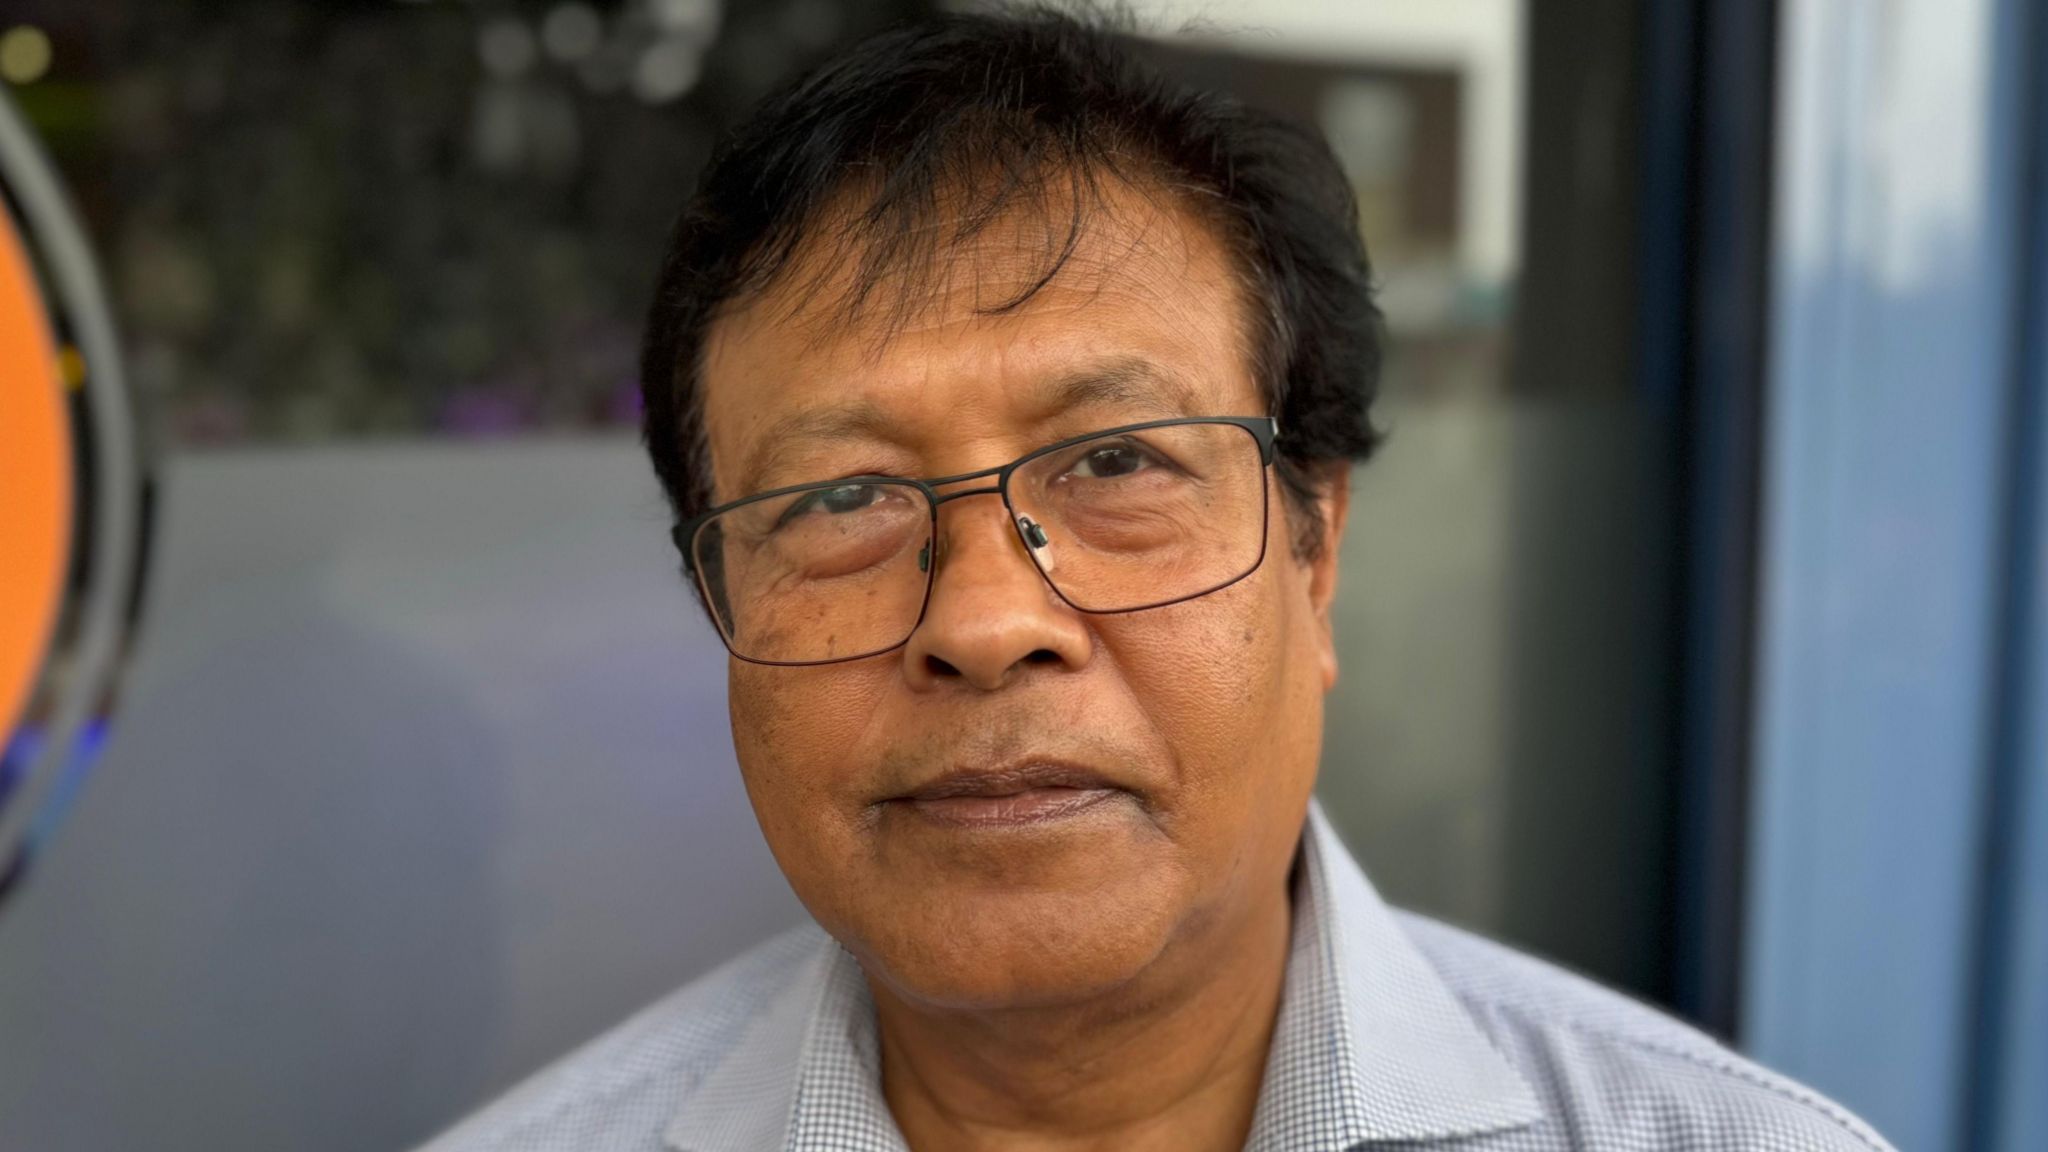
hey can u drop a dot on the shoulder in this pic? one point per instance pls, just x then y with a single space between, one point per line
1615 1072
617 1092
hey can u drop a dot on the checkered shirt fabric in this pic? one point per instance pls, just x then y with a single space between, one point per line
1394 1032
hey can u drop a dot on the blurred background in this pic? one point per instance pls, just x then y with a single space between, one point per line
1692 624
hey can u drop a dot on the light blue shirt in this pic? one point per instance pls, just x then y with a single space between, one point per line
1394 1031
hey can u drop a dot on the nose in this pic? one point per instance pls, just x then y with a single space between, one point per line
991 615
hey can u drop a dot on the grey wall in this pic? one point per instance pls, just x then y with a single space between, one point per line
422 776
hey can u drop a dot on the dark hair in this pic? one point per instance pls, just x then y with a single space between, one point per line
969 116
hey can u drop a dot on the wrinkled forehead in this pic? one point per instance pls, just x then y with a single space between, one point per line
1081 305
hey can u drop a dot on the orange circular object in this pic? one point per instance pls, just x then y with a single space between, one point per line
35 478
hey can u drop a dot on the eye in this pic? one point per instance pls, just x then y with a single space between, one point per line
849 498
1108 461
839 501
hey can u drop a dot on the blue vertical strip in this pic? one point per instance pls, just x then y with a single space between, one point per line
1723 318
2011 1060
2010 1080
1883 508
2015 1109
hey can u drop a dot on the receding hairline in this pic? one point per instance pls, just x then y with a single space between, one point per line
841 257
817 291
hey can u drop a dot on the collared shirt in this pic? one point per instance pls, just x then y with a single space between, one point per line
1393 1031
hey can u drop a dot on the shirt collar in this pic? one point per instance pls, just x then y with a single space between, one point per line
1370 1045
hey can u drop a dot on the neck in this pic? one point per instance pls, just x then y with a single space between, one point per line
1172 1059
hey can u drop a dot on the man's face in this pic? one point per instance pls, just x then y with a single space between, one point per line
1203 718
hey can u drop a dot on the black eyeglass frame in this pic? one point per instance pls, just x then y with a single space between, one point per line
1264 430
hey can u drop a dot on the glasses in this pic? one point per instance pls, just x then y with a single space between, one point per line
1129 518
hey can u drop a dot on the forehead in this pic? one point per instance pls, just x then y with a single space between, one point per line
1146 316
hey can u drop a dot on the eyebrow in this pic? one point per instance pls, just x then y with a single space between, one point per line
1125 382
789 435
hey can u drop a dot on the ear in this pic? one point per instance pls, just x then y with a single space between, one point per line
1333 505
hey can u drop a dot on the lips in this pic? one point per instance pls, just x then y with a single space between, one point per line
1034 793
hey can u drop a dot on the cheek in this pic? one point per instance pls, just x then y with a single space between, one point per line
1222 681
1230 684
796 731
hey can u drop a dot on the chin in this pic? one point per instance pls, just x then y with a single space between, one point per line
983 952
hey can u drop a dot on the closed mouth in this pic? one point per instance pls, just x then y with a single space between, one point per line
1028 794
1009 781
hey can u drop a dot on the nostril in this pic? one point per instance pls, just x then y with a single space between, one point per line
1043 656
938 667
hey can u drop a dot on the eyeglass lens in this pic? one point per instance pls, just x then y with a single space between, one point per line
1116 523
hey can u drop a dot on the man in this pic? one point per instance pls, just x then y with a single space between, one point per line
1006 397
